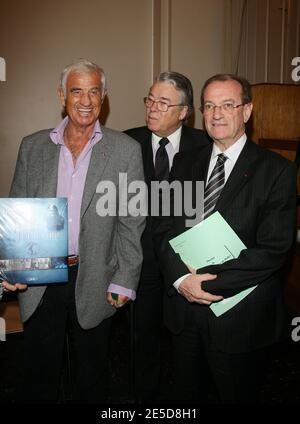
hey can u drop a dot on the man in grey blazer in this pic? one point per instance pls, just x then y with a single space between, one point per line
105 252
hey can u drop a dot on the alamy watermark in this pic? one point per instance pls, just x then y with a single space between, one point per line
2 69
166 199
296 331
296 71
2 330
295 75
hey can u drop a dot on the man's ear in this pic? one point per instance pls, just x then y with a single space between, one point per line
183 113
61 95
247 111
103 95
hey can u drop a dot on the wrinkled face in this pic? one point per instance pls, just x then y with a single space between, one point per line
165 123
225 127
83 99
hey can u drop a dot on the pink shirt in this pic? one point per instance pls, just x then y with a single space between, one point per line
70 184
71 179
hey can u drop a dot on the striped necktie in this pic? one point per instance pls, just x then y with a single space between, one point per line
214 186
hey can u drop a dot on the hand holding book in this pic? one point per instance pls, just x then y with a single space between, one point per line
7 287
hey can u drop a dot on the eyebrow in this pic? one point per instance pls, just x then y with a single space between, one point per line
78 88
160 98
224 101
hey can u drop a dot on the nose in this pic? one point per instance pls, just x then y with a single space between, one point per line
154 106
217 112
85 98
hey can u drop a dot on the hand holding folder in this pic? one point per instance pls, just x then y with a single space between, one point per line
211 242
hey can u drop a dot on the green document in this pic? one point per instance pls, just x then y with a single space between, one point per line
211 242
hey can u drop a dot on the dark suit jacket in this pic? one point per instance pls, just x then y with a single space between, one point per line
259 203
191 138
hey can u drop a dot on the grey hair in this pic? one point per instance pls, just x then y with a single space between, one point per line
183 85
83 66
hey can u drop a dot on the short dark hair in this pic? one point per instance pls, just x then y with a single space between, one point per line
245 86
183 85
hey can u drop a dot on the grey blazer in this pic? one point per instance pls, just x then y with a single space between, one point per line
109 247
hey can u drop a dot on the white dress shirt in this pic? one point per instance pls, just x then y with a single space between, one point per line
172 147
232 153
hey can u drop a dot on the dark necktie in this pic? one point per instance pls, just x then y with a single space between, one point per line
214 186
162 161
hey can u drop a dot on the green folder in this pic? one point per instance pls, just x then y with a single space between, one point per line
211 242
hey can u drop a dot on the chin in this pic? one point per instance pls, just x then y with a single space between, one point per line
219 136
85 122
152 128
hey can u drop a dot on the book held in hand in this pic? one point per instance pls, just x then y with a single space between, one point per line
34 240
211 242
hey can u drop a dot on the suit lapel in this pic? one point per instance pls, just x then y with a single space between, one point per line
240 175
200 169
100 156
148 156
50 169
185 141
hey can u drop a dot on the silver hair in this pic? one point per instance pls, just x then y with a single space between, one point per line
83 66
183 85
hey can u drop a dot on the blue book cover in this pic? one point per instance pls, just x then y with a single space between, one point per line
34 240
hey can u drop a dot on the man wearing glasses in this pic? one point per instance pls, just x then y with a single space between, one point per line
254 190
168 106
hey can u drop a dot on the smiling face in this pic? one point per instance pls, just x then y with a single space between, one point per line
83 99
225 128
165 123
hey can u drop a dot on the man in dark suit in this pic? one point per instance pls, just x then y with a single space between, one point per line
254 190
169 105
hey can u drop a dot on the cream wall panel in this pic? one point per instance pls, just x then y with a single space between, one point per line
38 38
132 40
197 42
